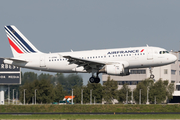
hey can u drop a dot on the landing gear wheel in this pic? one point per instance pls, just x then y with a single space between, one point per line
92 79
152 76
97 80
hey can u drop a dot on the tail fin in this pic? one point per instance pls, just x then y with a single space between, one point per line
18 42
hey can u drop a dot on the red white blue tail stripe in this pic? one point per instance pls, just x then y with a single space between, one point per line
18 41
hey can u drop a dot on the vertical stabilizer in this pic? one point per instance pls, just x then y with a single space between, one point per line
18 42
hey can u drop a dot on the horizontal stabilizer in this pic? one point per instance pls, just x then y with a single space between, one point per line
16 59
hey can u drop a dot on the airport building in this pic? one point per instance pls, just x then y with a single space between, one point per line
169 72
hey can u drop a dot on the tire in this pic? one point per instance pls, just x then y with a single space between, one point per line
92 80
97 80
152 76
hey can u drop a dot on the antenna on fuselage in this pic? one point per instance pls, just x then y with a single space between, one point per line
71 50
147 45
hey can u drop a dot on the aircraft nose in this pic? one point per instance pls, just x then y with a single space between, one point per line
173 58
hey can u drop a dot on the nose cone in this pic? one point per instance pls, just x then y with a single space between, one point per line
173 58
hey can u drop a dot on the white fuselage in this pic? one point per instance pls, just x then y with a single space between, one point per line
135 57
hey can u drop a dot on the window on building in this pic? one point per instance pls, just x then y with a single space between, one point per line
138 71
120 83
165 71
173 72
172 81
178 87
127 82
134 83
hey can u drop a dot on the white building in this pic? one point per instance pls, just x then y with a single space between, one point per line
169 72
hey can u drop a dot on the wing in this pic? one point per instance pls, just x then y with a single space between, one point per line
87 64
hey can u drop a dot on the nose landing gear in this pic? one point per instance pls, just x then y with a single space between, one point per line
151 76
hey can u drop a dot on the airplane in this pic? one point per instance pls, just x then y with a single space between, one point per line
116 61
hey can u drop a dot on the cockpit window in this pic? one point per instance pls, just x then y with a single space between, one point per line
163 52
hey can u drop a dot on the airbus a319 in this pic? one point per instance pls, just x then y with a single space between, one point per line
116 61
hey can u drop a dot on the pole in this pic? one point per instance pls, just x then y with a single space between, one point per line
147 95
8 94
155 100
16 97
127 97
94 100
24 96
91 96
72 96
132 97
140 96
13 96
81 96
35 96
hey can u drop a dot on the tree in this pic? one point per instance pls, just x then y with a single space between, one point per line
96 92
110 90
143 85
68 81
28 77
45 76
44 94
122 93
161 90
77 94
27 87
170 90
59 92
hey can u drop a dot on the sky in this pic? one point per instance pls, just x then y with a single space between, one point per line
62 25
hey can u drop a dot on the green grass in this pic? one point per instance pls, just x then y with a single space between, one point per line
88 108
134 116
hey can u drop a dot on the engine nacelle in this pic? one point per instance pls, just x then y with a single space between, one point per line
116 69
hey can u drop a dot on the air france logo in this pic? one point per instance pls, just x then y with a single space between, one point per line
142 50
125 51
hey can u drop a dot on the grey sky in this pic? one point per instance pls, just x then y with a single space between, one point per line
61 25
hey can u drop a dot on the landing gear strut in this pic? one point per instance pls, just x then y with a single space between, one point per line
151 76
94 79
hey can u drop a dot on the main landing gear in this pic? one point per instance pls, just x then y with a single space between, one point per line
94 79
151 76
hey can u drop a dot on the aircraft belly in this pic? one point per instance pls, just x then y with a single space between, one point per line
60 67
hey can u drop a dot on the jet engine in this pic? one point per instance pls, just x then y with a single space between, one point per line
116 69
